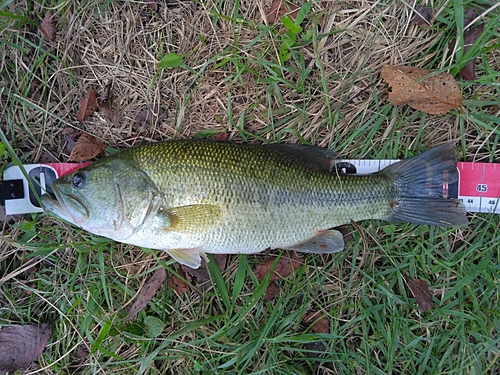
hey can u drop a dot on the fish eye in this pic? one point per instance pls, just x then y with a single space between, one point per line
78 180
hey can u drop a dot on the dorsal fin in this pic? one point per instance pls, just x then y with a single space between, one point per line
319 158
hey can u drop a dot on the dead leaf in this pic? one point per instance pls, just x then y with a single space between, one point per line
178 284
314 350
152 4
21 345
147 117
470 15
82 351
200 277
29 267
421 293
71 132
421 89
86 148
468 72
422 16
35 92
147 293
221 260
320 324
47 158
279 8
287 264
88 105
107 109
221 137
70 136
346 231
47 27
271 291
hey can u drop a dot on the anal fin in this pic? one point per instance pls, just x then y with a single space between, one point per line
324 242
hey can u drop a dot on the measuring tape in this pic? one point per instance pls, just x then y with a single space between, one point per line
478 186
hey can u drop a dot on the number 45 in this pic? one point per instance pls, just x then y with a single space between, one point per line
482 188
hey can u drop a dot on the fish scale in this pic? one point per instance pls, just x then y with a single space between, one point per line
193 197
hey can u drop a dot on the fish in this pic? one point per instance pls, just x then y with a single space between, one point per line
193 197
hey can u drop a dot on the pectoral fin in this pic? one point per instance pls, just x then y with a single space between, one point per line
188 257
192 218
324 242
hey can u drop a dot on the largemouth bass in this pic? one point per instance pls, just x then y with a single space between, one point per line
190 197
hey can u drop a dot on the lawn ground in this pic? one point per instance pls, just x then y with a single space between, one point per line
254 81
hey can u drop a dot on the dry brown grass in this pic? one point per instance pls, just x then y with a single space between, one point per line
122 44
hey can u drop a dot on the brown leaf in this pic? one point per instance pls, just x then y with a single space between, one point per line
279 8
82 351
70 136
422 16
200 277
47 27
152 4
86 148
221 137
346 231
221 260
468 72
21 345
71 132
147 117
178 284
88 105
421 293
422 89
35 90
470 15
271 291
29 266
107 109
47 157
147 293
287 264
320 324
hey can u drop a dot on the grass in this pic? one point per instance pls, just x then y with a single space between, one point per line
326 91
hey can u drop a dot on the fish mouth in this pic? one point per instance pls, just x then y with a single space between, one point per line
67 206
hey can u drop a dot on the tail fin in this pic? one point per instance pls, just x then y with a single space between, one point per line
419 183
